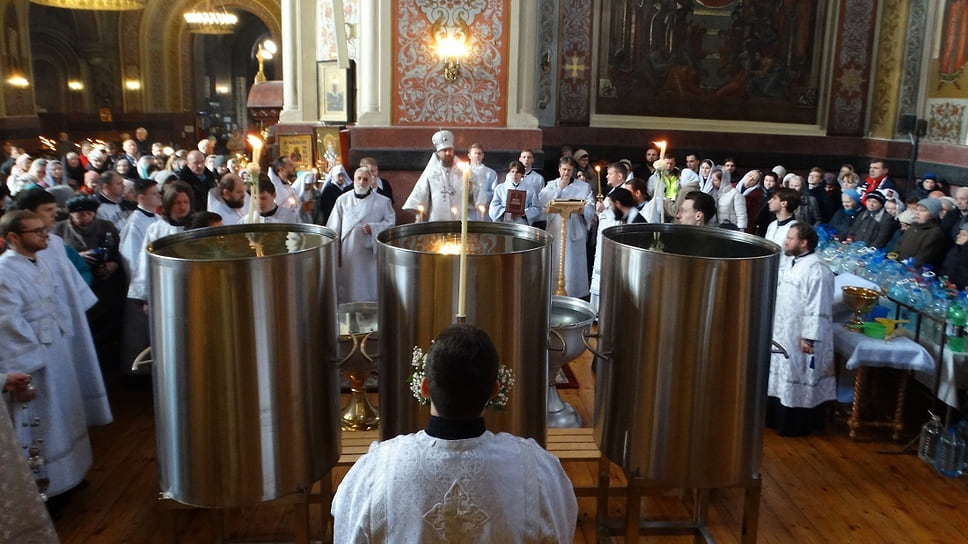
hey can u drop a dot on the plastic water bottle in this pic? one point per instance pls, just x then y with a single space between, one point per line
928 443
955 325
951 453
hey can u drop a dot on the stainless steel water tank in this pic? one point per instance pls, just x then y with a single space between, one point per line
680 398
508 295
243 323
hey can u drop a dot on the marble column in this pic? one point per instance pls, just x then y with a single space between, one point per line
373 81
523 64
298 62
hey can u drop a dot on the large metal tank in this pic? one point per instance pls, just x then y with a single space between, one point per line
244 343
686 333
508 295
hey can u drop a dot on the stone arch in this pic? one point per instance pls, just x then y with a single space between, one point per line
166 46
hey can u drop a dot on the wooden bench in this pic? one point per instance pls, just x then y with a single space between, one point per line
566 444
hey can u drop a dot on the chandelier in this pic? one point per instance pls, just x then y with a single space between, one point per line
210 21
101 5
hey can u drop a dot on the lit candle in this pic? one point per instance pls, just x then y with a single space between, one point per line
256 143
662 148
482 208
598 174
420 210
462 280
453 212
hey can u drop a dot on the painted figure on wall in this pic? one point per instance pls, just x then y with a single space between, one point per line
954 44
751 60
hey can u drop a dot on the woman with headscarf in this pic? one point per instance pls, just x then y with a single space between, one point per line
124 167
74 169
730 204
337 182
843 218
705 171
55 175
147 164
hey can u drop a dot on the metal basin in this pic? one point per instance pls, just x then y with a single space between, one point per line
571 320
243 323
680 400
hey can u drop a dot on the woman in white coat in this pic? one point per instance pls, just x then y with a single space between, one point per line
730 203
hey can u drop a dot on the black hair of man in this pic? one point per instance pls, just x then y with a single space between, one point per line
278 162
199 220
266 186
461 370
227 182
569 161
30 199
13 221
142 185
638 184
105 178
704 203
788 195
883 162
620 167
622 196
806 232
516 164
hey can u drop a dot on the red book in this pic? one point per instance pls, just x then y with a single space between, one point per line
516 202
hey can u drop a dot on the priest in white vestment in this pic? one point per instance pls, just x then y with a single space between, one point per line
23 517
800 384
455 481
229 199
358 217
576 262
35 331
81 299
439 188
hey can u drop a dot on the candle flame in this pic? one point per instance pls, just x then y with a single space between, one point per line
598 168
464 166
254 140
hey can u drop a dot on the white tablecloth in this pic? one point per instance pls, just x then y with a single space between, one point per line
899 352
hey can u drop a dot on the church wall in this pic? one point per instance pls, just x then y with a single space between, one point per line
478 97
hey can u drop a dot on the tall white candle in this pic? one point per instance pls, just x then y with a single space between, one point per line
462 285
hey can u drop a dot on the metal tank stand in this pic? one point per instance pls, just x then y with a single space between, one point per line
298 501
634 526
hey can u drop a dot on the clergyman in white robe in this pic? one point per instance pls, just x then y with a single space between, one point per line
804 298
576 262
438 190
356 272
35 329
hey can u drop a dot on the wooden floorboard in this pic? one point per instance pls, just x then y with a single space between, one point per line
818 489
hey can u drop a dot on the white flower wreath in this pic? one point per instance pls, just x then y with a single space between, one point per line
505 378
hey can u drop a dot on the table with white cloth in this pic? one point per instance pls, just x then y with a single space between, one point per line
861 352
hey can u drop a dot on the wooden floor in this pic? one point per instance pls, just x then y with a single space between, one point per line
817 489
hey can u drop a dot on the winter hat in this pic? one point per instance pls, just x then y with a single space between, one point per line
877 195
84 203
908 217
933 205
853 194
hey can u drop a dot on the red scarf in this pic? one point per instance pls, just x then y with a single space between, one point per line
870 186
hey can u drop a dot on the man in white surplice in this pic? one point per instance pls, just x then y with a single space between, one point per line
358 217
35 331
439 188
798 386
455 481
576 263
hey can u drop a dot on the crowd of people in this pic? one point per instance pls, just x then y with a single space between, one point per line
77 226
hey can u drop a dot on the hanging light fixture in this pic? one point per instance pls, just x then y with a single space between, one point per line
210 21
98 5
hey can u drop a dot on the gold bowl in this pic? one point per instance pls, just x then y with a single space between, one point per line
861 300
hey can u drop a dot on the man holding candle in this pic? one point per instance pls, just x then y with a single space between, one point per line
439 187
576 262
